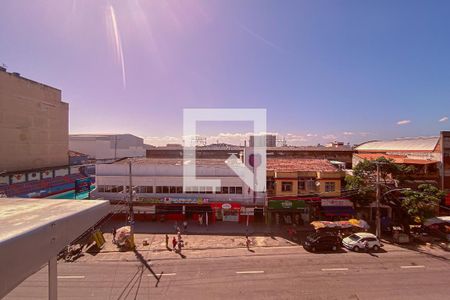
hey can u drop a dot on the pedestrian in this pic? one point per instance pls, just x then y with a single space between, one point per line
175 226
179 235
167 241
185 225
114 232
174 243
200 219
180 244
366 246
247 242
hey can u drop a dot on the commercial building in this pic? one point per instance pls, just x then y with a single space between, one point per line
302 190
159 193
271 140
108 146
341 154
429 155
33 124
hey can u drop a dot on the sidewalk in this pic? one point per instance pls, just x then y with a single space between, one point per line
219 228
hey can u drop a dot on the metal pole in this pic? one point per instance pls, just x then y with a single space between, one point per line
130 203
378 219
52 279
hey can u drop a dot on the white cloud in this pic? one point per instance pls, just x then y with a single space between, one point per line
444 119
329 137
311 135
348 133
403 122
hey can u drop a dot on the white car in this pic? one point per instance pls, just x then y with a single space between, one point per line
357 241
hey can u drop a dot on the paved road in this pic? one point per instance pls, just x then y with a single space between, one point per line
267 273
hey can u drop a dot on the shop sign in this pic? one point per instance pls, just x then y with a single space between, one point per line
176 200
148 209
247 211
286 204
226 206
336 202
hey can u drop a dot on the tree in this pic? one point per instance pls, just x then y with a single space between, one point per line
422 203
361 185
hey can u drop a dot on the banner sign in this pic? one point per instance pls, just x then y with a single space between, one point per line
82 185
336 202
287 204
247 211
176 200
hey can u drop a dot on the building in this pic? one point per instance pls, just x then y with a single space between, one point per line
77 158
33 124
271 140
429 155
302 190
341 154
108 146
159 193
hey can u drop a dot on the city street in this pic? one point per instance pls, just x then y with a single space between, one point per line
284 272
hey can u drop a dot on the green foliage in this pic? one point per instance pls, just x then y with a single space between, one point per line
362 184
422 203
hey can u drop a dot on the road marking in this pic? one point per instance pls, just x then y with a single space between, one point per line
71 277
335 269
411 267
249 272
164 274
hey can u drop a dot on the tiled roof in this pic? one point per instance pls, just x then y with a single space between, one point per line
76 153
404 144
399 159
300 165
171 161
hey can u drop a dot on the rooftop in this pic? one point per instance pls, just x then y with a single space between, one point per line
399 159
403 144
300 165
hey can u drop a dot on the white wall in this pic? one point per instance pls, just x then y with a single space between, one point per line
168 175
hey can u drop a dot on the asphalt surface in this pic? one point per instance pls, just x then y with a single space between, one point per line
267 273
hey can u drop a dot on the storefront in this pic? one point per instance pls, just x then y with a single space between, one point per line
337 209
292 210
286 211
227 212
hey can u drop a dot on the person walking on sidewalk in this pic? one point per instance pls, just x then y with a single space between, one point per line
247 242
174 243
185 225
167 241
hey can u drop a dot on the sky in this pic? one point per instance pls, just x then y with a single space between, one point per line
324 70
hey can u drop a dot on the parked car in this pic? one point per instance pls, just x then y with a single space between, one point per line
322 241
357 241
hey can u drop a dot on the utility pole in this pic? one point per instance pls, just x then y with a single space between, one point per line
378 221
130 204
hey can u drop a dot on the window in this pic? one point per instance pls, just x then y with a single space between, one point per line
173 189
301 185
110 188
330 187
159 189
232 189
224 190
286 186
179 190
145 189
239 190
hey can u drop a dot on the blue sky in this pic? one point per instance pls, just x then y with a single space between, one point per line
324 70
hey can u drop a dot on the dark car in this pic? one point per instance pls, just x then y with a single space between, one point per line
322 241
